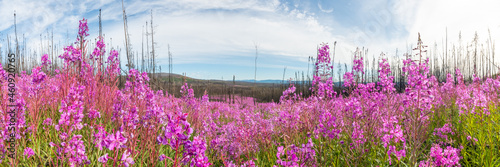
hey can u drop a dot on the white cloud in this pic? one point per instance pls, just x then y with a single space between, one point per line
202 36
200 31
434 17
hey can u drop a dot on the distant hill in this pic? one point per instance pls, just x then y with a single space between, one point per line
262 81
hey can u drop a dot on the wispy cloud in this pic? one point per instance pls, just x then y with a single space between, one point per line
224 32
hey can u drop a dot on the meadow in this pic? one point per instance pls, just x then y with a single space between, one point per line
77 115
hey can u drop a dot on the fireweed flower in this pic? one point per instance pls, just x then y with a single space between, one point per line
176 134
116 140
443 131
358 62
162 157
442 157
113 67
71 55
188 94
392 130
357 134
349 79
99 50
47 122
103 159
328 126
323 66
322 84
72 109
304 155
93 113
45 60
37 75
3 74
194 153
289 94
126 159
100 138
83 28
75 149
28 152
385 80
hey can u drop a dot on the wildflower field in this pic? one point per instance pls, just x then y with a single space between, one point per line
77 116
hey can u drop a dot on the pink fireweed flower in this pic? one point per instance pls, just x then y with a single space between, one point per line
323 66
443 131
289 94
194 153
469 138
419 93
358 62
162 157
113 62
28 152
115 140
37 75
83 28
328 126
305 155
100 137
357 134
103 159
75 149
126 159
99 50
439 157
47 122
322 84
72 109
386 82
348 79
3 74
94 114
71 55
392 130
45 60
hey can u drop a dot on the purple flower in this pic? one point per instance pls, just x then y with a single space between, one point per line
113 62
47 122
103 159
126 160
441 132
115 140
3 74
45 60
94 114
439 157
71 55
28 152
82 30
305 155
75 150
37 75
162 157
348 79
100 138
386 82
195 152
99 50
358 61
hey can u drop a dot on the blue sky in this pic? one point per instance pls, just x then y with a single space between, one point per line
216 39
